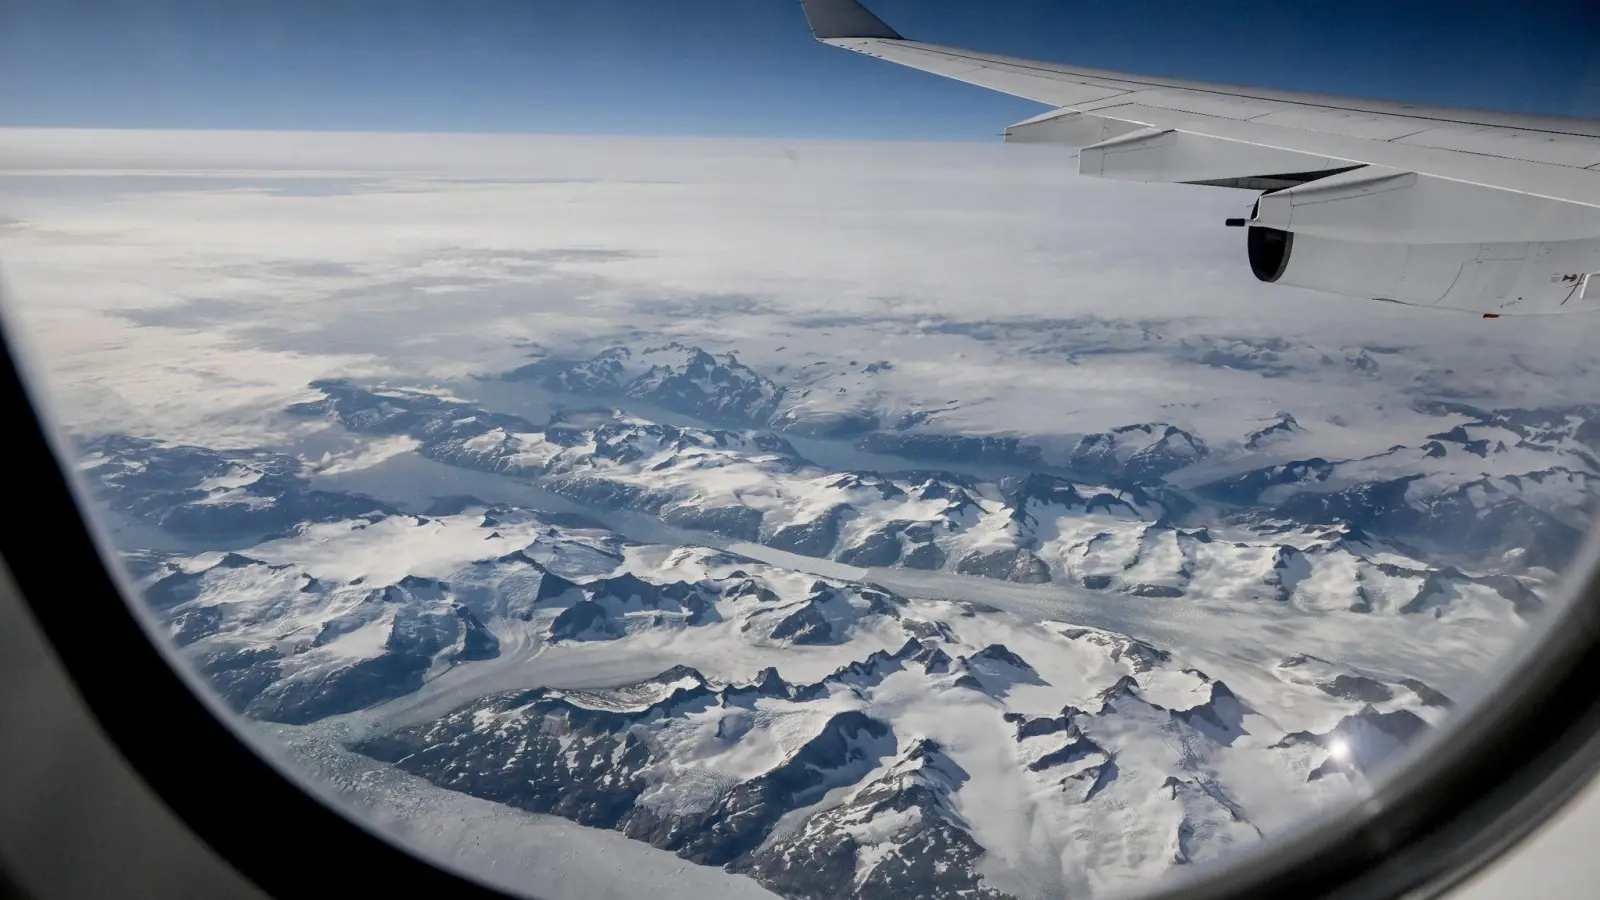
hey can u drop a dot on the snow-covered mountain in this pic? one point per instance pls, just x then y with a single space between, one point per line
1539 515
195 491
675 376
827 738
1098 715
1467 484
1347 549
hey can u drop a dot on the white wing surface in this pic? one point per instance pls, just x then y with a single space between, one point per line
1464 209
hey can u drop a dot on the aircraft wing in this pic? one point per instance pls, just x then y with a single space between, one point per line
1330 170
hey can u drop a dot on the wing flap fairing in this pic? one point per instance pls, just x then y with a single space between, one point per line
1065 128
1173 156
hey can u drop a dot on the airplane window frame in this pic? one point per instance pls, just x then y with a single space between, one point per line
1473 791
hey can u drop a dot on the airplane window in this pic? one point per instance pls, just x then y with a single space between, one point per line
747 478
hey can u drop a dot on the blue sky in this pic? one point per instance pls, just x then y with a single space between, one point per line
737 67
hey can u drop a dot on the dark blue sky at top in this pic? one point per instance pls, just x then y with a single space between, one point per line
738 67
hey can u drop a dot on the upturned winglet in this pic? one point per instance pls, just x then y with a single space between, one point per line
844 19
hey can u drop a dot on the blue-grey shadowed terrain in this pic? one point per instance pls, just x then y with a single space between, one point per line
631 576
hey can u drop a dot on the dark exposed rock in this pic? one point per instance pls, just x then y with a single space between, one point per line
1357 687
1005 564
1284 426
1039 726
1125 688
1246 488
361 684
1175 450
1038 490
1221 717
195 623
924 630
875 549
952 448
1467 521
678 377
908 543
923 556
1365 688
1162 591
240 674
750 587
552 586
1361 742
849 745
1458 435
178 587
1289 567
999 653
1142 452
934 660
165 486
814 538
605 493
806 625
477 641
931 855
715 388
1092 780
829 613
1522 598
738 522
1074 750
1140 656
602 615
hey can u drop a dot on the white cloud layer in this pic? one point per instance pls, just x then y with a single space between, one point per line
186 285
